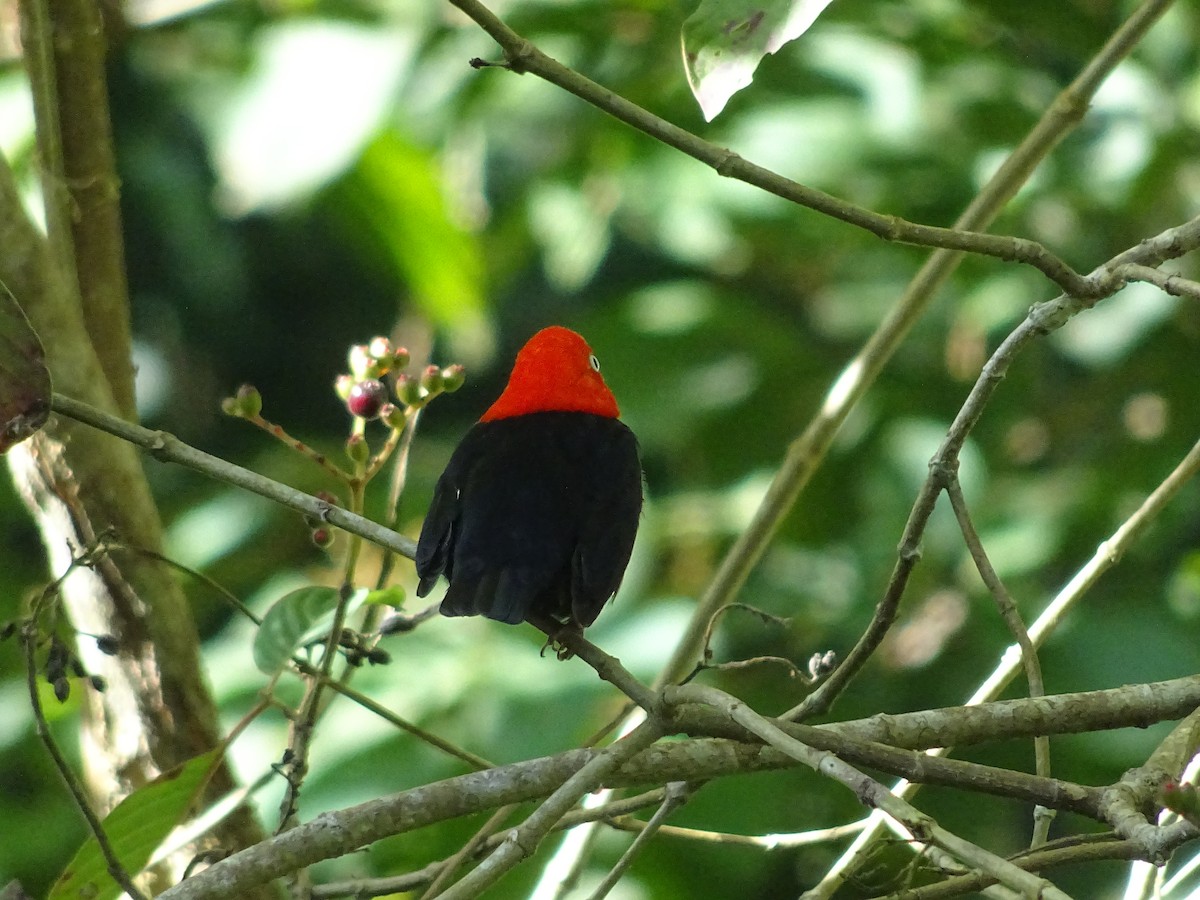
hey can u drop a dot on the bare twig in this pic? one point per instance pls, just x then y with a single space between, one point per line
763 842
522 56
164 446
279 433
611 813
468 850
677 793
1042 816
1042 319
922 828
1167 282
29 639
523 840
607 667
1106 556
473 760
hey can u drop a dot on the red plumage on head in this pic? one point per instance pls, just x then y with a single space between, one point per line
555 371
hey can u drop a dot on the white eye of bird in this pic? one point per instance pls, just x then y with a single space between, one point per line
594 363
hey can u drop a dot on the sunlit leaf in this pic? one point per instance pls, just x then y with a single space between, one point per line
24 378
389 596
318 90
724 41
394 198
138 825
296 619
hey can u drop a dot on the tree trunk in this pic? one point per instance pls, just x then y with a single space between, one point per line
80 484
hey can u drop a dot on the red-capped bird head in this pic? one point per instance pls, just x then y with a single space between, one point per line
555 371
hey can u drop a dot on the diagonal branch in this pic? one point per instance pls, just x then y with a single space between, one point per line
871 793
1042 319
165 446
522 56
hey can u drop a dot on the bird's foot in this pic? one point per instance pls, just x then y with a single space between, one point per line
554 640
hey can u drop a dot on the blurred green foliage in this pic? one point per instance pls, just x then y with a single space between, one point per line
299 176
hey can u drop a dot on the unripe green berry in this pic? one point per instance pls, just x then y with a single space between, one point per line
342 386
357 449
245 404
380 348
393 416
408 391
431 380
453 378
363 364
400 358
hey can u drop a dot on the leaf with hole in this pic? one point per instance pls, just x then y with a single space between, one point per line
725 40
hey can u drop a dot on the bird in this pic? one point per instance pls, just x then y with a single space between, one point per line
537 509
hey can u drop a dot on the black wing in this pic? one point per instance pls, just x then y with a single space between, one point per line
610 525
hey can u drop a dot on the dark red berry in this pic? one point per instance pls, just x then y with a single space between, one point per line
367 398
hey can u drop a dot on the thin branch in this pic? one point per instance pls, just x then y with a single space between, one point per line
29 634
468 850
1107 555
677 794
607 667
1041 320
1167 282
472 759
164 446
377 887
522 56
762 842
870 792
1042 816
523 840
279 433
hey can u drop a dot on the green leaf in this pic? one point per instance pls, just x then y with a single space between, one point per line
138 825
389 596
394 199
24 378
296 619
724 41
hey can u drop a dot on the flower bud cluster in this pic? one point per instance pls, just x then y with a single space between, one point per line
366 395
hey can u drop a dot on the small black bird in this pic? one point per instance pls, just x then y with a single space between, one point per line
539 505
